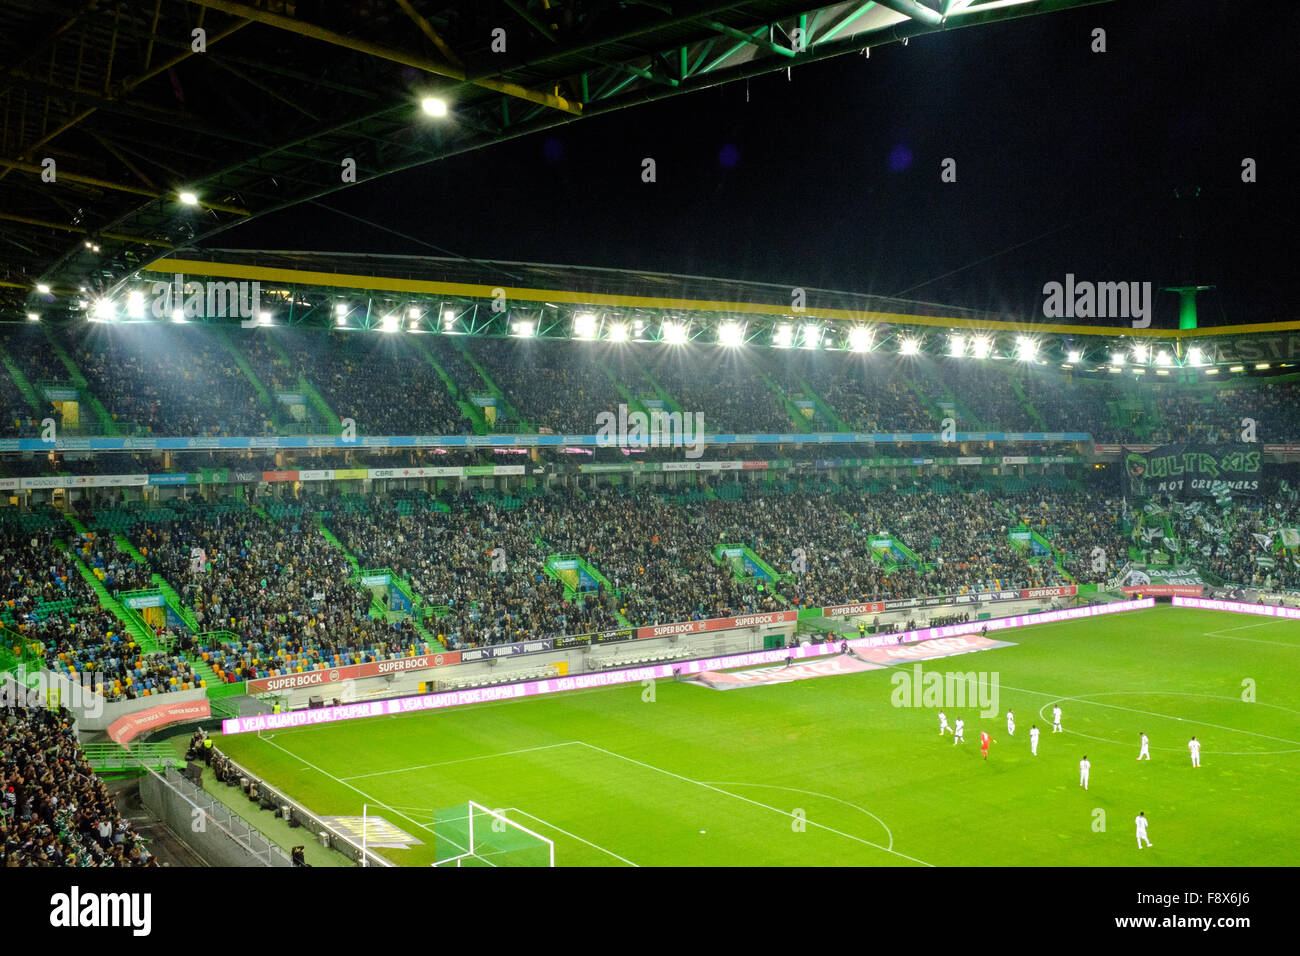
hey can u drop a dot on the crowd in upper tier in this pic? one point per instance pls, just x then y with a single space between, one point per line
187 380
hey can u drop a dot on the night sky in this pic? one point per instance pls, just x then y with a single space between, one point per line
1067 161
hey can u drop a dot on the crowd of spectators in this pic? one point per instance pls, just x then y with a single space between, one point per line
288 599
726 385
49 606
661 559
1217 415
554 385
54 811
181 380
167 380
447 559
281 589
383 383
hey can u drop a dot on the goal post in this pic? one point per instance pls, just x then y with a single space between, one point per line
475 835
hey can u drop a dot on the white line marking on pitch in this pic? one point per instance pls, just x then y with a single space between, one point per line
811 793
1224 636
444 763
736 796
572 836
370 797
1083 699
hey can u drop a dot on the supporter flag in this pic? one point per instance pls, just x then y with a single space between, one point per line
498 560
198 560
1290 537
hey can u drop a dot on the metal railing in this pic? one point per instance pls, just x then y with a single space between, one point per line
110 757
214 831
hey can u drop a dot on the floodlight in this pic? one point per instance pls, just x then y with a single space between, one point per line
731 334
860 338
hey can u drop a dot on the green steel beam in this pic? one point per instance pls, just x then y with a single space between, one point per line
753 39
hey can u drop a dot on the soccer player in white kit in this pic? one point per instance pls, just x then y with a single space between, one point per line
943 723
1194 746
1056 719
1033 740
1084 767
1011 723
1144 752
1141 821
959 735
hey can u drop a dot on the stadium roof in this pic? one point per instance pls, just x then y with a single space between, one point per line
133 129
358 291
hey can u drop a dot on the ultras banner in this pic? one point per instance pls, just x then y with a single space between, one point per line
1194 471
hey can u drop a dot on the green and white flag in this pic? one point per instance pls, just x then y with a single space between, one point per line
1290 537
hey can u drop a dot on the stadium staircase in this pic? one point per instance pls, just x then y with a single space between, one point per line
471 411
107 423
661 393
822 406
264 396
912 557
570 578
633 403
1019 389
173 601
20 380
512 413
380 608
129 549
144 640
741 573
317 401
792 412
889 556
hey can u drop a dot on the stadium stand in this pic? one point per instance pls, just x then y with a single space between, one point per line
53 810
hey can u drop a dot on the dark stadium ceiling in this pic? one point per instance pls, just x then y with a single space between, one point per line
113 110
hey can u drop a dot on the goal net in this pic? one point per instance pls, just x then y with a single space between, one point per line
473 835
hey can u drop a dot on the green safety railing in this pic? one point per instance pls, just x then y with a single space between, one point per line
114 758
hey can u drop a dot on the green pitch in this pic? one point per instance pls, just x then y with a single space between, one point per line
828 772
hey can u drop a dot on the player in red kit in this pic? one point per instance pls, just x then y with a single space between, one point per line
985 740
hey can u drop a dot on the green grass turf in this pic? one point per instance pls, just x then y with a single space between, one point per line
827 772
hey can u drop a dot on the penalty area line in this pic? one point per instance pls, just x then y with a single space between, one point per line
736 796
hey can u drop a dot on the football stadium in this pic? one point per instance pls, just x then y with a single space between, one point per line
319 556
